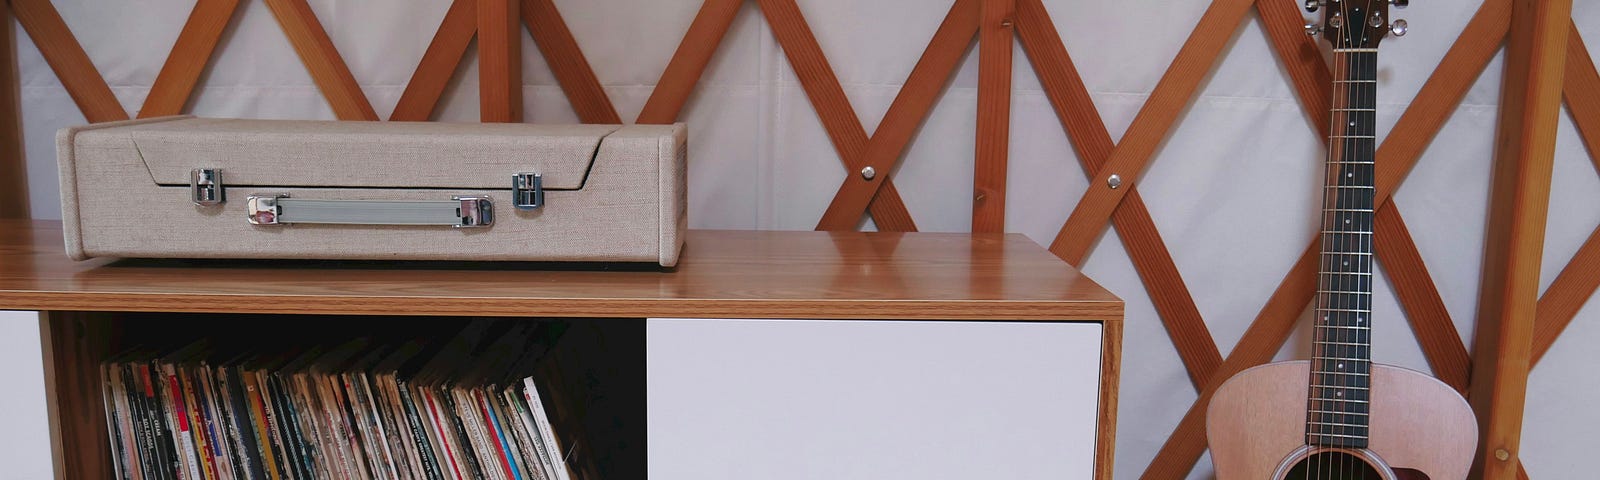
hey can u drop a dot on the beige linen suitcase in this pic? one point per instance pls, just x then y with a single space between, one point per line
186 187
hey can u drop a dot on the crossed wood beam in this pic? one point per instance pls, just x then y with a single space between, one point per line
1558 52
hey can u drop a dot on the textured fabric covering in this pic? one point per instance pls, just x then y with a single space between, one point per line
630 208
368 154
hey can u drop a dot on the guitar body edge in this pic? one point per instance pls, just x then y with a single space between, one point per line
1257 419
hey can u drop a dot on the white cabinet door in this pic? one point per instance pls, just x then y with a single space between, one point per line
871 400
25 425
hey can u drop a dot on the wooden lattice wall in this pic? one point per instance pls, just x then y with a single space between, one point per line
1546 58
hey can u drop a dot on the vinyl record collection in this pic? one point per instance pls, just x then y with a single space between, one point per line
464 406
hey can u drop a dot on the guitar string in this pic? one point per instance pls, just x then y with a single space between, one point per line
1363 93
1352 151
1342 69
1346 244
1369 197
1318 349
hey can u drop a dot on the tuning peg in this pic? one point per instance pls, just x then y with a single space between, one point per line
1400 3
1313 29
1313 5
1398 27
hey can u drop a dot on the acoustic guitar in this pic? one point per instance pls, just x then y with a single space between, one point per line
1339 416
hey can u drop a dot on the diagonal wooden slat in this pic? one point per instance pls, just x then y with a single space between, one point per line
68 60
907 111
174 86
1261 340
1080 118
1444 89
1300 56
694 52
572 70
1414 287
1530 107
439 63
1577 281
322 60
1176 88
1581 90
1421 122
833 108
499 61
994 116
1573 287
13 163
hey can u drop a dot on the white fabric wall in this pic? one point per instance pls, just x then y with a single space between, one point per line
1233 189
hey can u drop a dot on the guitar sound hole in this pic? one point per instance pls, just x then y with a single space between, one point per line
1333 466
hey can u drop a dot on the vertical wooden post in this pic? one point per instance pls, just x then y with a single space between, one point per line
994 116
1530 104
13 164
499 60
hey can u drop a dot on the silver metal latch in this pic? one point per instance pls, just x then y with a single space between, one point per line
527 191
205 187
475 212
458 211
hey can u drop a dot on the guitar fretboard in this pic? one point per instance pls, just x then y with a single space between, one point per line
1341 363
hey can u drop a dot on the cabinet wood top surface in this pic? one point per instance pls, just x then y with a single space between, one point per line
723 274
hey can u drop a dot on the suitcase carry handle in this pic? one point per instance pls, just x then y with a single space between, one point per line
459 211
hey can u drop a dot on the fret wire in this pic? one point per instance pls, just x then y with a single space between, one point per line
1336 435
1361 210
1320 399
1337 424
1320 342
1355 109
1343 358
1352 327
1355 81
1352 186
1364 274
1351 136
1355 50
1348 310
1329 412
1352 374
1352 232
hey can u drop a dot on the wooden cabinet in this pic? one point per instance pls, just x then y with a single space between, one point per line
751 289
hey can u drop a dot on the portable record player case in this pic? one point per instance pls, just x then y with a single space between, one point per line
187 187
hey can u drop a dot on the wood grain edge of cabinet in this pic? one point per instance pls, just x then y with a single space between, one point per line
1110 381
72 345
52 406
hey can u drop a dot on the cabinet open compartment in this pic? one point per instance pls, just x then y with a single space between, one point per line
589 372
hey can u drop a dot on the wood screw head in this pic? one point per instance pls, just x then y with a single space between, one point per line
1501 454
1005 23
868 173
1114 181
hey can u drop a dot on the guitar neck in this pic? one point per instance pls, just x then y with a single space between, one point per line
1341 365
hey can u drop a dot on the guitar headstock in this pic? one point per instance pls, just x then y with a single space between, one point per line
1356 23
